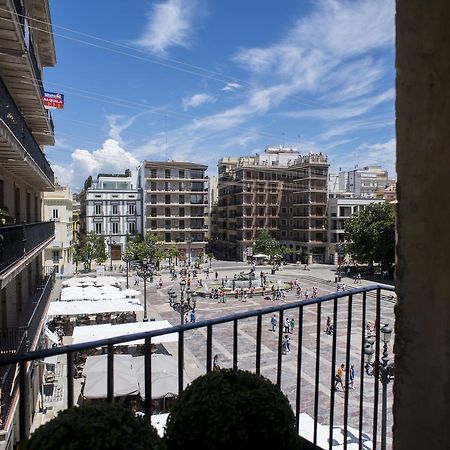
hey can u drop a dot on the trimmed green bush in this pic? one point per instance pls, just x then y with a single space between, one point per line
231 410
95 427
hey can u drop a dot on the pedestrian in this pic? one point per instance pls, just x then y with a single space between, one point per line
359 278
193 316
216 365
136 281
329 328
286 325
291 325
273 322
286 345
217 275
351 376
314 294
160 283
338 379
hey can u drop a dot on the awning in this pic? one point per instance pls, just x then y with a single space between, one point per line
90 333
76 308
52 336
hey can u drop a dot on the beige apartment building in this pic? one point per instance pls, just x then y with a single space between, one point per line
25 127
277 191
175 202
58 208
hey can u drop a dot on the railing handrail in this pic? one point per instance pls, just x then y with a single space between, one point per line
39 354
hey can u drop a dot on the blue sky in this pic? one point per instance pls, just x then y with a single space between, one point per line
198 80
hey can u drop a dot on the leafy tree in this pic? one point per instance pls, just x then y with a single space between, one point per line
150 248
266 245
91 248
371 235
87 183
172 252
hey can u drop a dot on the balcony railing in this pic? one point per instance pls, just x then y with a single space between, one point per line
18 240
316 361
12 117
17 341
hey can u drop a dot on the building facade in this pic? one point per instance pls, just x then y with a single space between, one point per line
340 208
26 127
175 204
112 207
58 208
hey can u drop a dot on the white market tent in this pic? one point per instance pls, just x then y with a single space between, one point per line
76 308
159 423
95 369
90 333
164 375
130 293
261 255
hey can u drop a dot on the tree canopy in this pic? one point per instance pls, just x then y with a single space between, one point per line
371 235
91 248
267 245
150 248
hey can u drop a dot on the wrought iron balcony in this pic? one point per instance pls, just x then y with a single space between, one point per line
315 362
19 240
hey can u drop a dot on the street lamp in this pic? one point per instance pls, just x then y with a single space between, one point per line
184 305
145 271
383 370
126 259
189 249
111 243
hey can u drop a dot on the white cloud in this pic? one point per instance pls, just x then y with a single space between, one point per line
231 87
110 158
169 25
197 100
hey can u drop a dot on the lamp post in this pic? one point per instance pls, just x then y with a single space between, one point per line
184 305
145 271
189 250
111 243
126 259
383 370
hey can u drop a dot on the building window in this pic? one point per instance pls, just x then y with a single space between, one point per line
181 173
55 213
181 200
55 256
132 227
115 228
153 212
153 185
114 196
153 199
98 196
167 225
167 212
167 186
153 173
167 199
153 224
181 224
181 212
167 173
130 196
98 209
167 237
115 209
131 208
98 228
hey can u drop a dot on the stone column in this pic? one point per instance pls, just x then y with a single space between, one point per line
422 343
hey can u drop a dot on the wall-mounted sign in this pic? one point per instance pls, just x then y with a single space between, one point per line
52 100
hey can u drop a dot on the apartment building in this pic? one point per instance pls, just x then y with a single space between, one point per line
58 208
27 47
175 204
254 196
340 208
112 207
366 182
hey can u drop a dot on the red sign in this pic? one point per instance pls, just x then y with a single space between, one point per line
52 100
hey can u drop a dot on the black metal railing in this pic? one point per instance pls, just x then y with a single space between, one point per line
12 117
17 341
18 240
315 349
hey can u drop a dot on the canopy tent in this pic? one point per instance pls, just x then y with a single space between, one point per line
159 423
95 370
108 288
76 308
130 293
261 255
164 375
54 339
104 331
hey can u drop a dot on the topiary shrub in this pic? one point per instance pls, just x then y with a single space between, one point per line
95 427
235 410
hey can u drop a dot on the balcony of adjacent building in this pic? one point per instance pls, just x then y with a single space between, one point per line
21 64
20 243
20 153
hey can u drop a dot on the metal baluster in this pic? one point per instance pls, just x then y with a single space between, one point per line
23 395
148 376
110 374
376 370
70 379
258 344
208 347
299 367
362 369
316 381
280 338
235 344
180 361
333 372
347 367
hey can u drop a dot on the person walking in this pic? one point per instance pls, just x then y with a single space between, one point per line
351 376
339 377
273 322
286 325
193 316
291 325
285 344
217 275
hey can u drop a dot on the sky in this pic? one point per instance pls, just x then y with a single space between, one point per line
198 80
